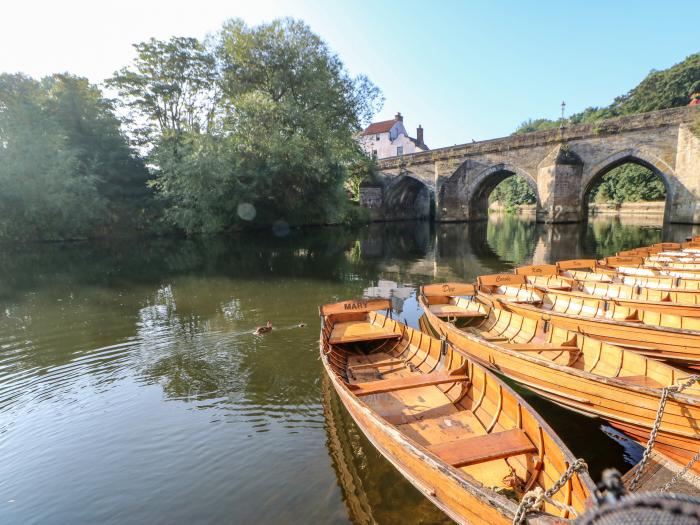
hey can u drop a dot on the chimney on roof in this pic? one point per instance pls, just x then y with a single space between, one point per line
419 134
399 116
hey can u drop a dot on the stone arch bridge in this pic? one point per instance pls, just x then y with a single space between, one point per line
453 184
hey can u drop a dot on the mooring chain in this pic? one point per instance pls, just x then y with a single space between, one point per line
534 498
681 473
657 424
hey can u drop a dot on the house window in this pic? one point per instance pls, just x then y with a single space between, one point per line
399 150
376 137
374 153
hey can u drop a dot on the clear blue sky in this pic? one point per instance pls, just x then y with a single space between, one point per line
461 69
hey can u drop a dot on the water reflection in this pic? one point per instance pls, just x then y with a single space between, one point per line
373 490
130 368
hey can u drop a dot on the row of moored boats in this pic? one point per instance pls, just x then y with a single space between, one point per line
616 338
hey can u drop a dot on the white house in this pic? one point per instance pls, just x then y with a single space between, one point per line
389 138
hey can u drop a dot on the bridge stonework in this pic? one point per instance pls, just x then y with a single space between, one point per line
453 184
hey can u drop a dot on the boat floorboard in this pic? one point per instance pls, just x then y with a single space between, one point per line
426 415
659 471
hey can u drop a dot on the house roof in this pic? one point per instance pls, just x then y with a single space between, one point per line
420 145
379 127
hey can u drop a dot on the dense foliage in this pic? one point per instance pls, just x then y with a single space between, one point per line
512 192
66 171
628 183
665 89
257 126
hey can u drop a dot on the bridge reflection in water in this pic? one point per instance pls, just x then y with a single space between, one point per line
447 251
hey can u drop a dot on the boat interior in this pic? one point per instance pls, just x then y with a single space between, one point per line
537 337
445 403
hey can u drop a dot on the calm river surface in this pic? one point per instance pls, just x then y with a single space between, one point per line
133 391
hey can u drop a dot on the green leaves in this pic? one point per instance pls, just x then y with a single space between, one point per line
261 119
628 183
171 86
65 169
286 116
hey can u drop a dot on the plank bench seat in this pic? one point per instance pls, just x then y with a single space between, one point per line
540 347
450 310
641 381
353 331
377 364
479 449
402 383
485 335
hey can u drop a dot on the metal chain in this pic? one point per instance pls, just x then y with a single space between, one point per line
657 423
534 498
681 473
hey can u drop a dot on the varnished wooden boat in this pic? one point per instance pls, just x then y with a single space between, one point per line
663 336
579 372
673 301
458 433
642 262
562 274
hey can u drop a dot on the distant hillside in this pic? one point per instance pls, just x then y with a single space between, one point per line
664 89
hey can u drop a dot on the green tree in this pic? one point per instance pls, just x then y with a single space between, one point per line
628 183
261 129
513 191
170 88
364 169
65 169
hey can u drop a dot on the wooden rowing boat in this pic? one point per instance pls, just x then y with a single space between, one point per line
663 336
579 372
459 434
565 275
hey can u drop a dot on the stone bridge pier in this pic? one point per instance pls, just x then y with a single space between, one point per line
561 166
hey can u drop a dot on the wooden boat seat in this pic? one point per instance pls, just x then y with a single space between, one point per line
450 310
351 331
402 383
479 449
484 335
641 381
377 364
540 347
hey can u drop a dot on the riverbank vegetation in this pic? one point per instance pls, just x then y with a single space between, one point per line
250 127
663 89
253 126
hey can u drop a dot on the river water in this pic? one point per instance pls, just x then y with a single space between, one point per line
132 389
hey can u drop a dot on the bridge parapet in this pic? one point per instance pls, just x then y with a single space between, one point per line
457 180
641 121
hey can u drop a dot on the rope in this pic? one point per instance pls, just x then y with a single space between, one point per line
657 423
533 499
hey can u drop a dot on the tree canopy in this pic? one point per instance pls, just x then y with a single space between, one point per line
262 119
65 168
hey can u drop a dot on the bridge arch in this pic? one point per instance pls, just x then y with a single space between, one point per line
485 181
657 166
408 197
